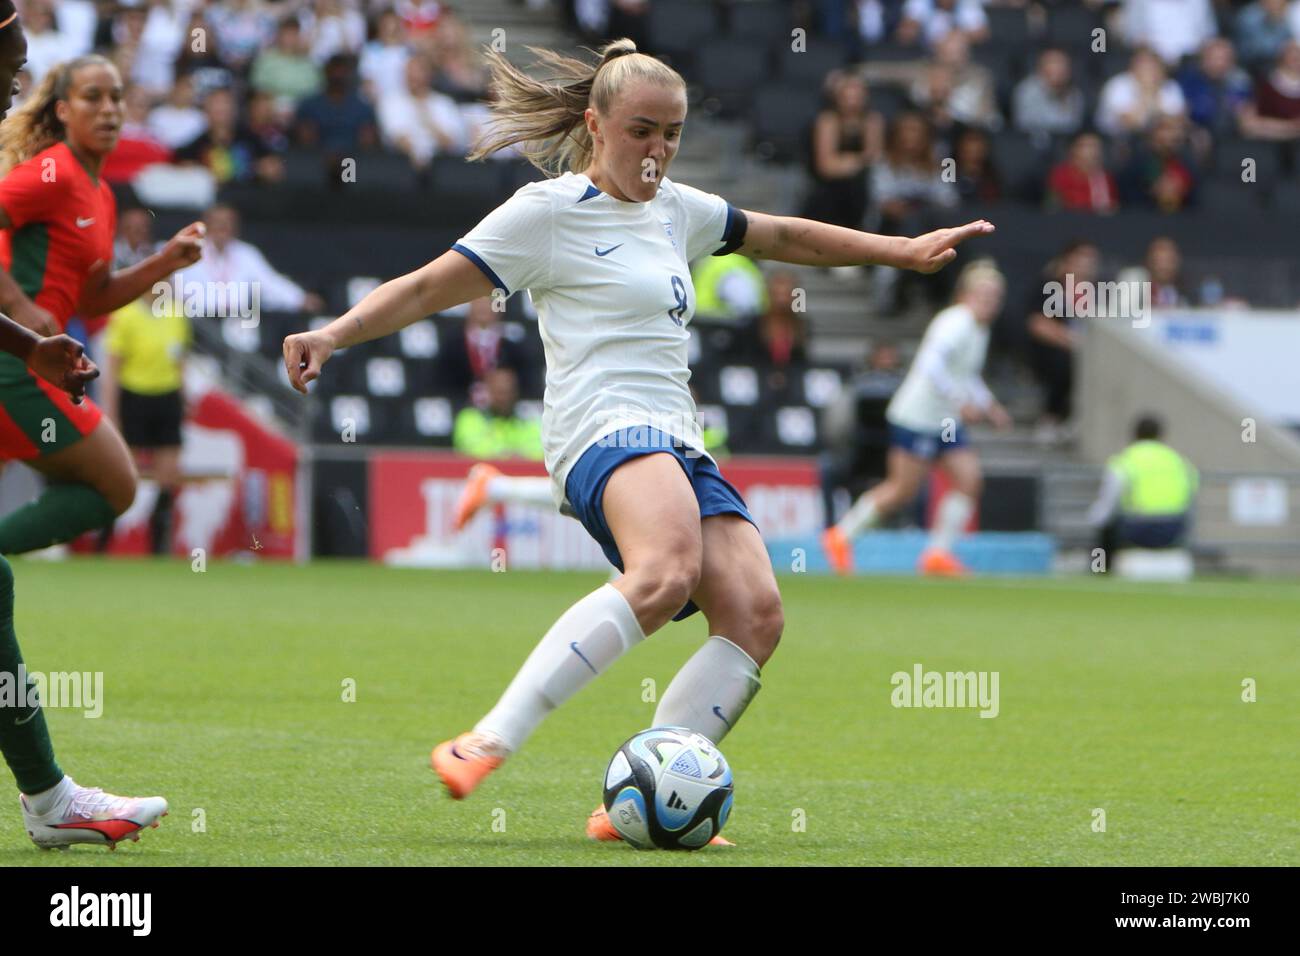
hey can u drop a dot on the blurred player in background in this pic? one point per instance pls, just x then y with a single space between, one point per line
58 219
56 811
942 393
603 250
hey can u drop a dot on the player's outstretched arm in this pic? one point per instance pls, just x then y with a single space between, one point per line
446 282
107 291
811 243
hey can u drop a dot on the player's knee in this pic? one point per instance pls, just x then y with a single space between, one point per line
120 491
662 587
766 623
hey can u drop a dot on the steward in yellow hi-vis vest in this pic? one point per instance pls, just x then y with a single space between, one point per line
1147 494
495 431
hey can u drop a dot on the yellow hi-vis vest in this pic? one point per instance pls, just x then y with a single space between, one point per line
1157 480
708 276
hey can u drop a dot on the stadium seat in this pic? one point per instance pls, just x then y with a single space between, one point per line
808 67
729 68
1070 26
759 21
1008 27
381 169
453 178
781 116
889 101
1021 164
675 29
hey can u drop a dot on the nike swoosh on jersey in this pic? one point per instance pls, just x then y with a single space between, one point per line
607 251
83 223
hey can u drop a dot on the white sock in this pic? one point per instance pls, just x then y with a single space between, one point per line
49 800
860 517
520 491
711 691
584 642
950 520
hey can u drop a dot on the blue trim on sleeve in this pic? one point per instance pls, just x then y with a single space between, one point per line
733 233
473 257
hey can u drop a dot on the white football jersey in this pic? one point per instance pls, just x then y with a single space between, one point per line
945 373
613 294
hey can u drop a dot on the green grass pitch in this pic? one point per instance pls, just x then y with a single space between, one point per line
223 691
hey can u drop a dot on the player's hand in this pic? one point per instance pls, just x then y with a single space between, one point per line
934 250
304 354
32 316
186 247
998 417
972 414
61 361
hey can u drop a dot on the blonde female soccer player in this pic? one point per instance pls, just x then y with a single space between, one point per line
603 249
943 391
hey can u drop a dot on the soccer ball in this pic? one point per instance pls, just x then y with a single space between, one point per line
668 787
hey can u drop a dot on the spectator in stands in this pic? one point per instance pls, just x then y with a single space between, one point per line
1132 101
1172 28
420 17
778 337
971 97
877 20
1263 28
227 259
1215 88
263 128
906 184
228 150
483 343
337 120
929 21
203 62
134 242
496 430
46 44
1049 101
907 188
847 139
1163 269
420 122
977 178
1080 182
1161 173
178 120
143 397
285 70
1053 337
333 27
460 72
728 288
1275 111
1147 494
383 60
136 146
154 37
241 28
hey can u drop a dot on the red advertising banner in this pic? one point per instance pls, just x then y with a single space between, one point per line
239 493
413 496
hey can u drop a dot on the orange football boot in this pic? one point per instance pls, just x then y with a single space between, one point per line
599 827
462 763
474 495
839 550
940 563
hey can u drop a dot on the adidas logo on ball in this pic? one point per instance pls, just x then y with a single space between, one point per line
675 802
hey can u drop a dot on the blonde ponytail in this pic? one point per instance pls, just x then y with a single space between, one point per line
34 126
545 117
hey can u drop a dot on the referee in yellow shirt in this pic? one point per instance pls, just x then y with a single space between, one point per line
146 347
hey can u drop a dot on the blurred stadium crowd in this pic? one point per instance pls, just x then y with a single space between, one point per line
902 114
